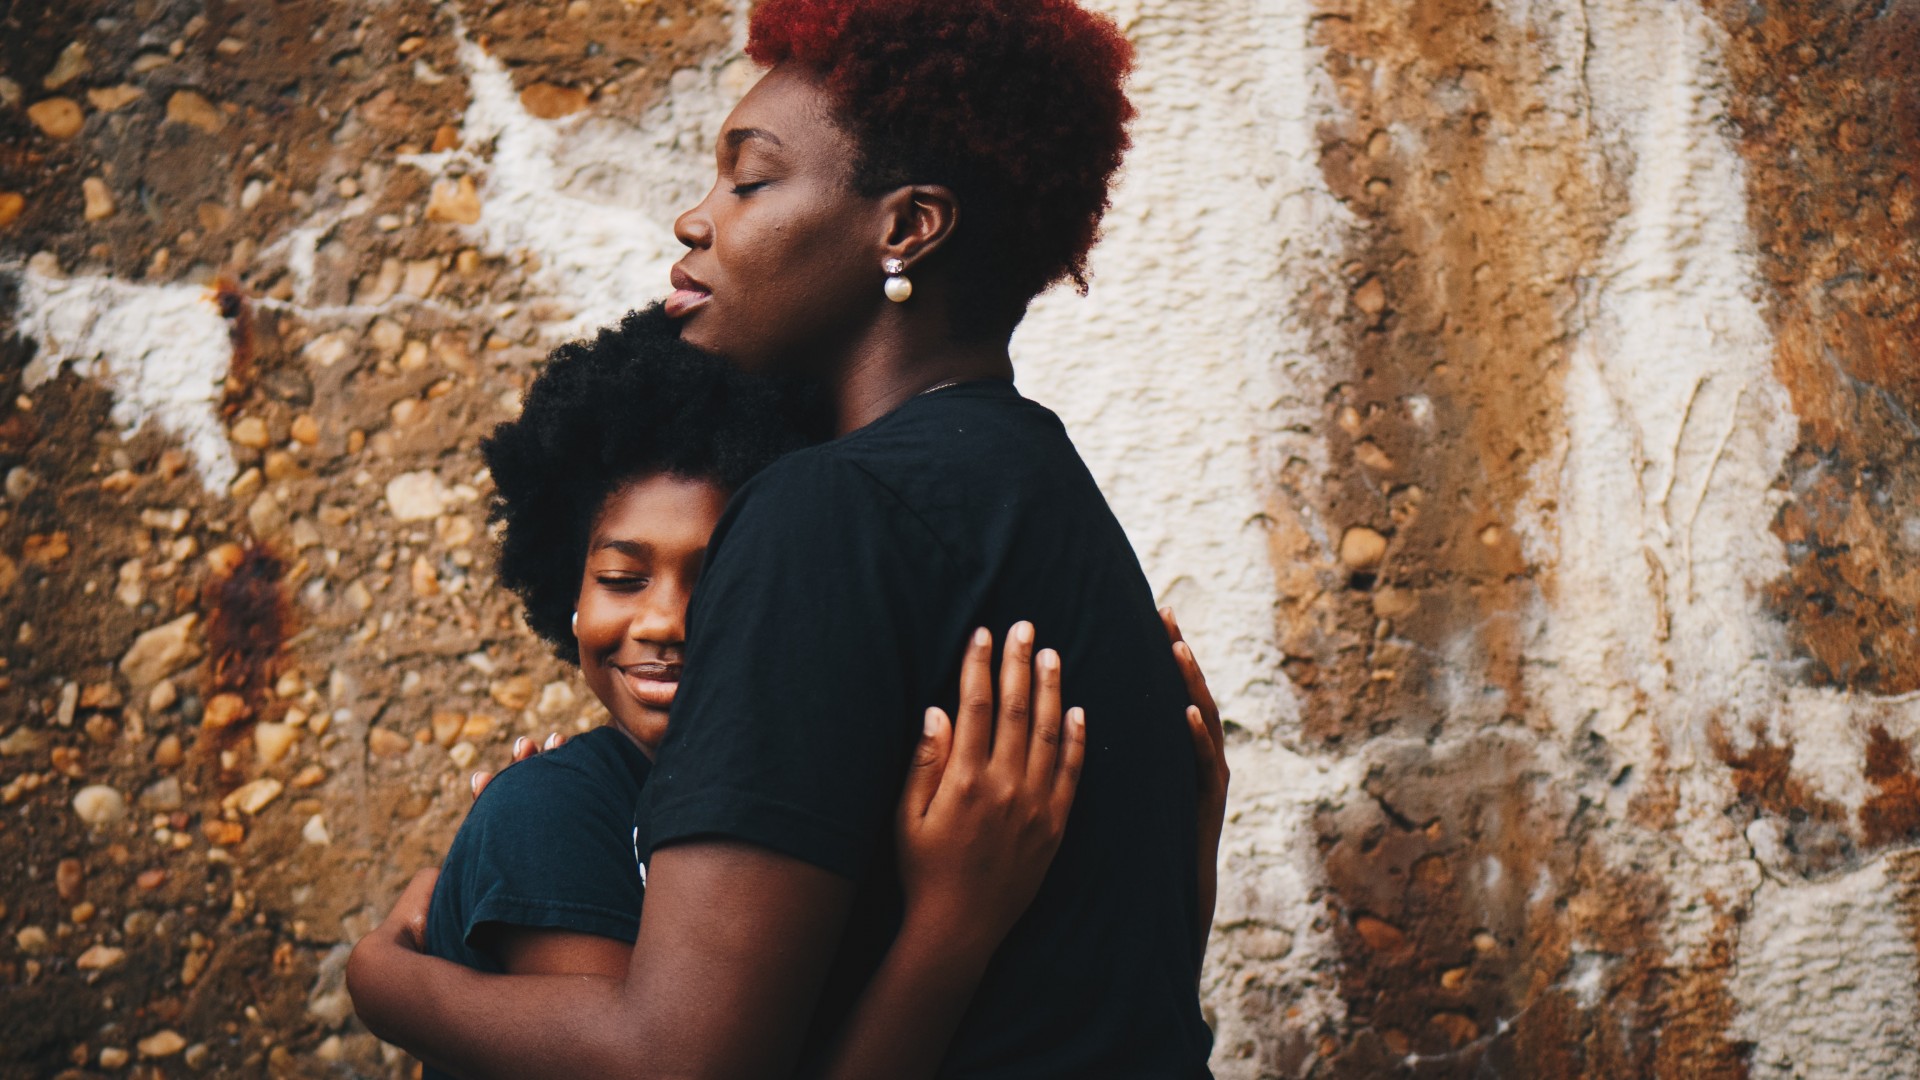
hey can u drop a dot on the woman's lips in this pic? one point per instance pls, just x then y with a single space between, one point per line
684 302
689 294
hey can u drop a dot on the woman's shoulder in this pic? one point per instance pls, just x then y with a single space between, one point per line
828 481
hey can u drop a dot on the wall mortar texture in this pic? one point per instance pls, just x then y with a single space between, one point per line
1516 398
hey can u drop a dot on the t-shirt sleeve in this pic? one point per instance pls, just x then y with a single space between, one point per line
547 848
815 630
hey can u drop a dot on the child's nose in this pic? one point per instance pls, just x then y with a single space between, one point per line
663 618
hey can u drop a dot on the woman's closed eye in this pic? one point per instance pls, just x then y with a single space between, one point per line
748 187
622 582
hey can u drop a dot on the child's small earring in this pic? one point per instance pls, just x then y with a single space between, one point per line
576 624
899 288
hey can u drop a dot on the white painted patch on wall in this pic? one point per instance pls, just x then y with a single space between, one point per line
1176 371
593 200
1587 978
1677 428
1269 978
1676 423
1826 980
163 350
1183 378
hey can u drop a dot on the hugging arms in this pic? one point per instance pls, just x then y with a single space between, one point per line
984 805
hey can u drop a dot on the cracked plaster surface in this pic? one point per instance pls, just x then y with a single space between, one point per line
1197 372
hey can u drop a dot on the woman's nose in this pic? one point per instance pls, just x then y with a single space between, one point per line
694 228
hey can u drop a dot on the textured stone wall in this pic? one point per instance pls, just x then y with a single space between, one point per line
1518 400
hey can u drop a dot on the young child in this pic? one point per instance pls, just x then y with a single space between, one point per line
609 485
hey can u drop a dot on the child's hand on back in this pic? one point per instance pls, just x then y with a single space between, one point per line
1210 765
987 796
523 748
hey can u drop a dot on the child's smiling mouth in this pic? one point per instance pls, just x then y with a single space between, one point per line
652 683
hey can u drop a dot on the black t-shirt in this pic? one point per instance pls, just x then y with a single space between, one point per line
841 586
549 845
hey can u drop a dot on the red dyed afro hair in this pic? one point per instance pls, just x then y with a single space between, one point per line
1017 105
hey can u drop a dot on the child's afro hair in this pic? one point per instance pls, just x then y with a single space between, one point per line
1019 106
632 401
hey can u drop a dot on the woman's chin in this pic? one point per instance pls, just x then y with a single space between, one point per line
697 330
701 332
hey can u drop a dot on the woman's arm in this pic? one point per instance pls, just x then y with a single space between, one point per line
985 805
980 821
1210 765
976 837
733 949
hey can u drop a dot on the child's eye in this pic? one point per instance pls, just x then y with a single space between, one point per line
749 187
623 582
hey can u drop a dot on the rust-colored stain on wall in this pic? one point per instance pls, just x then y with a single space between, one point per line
1828 112
611 56
1451 946
249 617
1481 204
1892 814
1816 832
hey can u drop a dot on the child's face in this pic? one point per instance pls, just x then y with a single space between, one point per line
643 556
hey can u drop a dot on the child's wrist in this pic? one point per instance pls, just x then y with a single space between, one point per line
940 929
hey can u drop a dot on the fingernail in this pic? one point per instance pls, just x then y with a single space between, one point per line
1023 632
473 783
520 745
1049 659
1180 648
553 740
931 725
1076 716
982 637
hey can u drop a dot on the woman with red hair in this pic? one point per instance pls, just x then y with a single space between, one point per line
890 197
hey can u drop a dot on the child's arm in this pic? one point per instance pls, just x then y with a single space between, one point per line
985 805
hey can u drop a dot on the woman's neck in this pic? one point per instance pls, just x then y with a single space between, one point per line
889 369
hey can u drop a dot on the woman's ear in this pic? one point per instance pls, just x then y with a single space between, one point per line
920 218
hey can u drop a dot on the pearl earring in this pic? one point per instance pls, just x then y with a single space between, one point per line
576 623
899 288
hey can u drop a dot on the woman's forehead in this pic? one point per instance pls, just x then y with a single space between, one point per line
788 109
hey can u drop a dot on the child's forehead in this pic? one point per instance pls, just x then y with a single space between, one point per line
660 507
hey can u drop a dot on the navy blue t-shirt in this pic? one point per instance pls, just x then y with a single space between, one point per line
549 845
